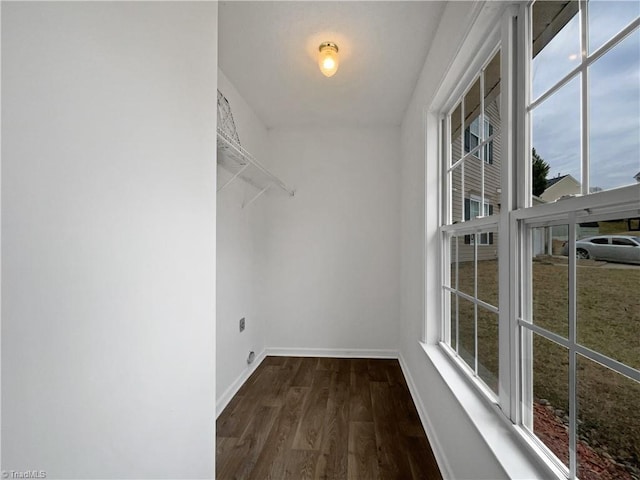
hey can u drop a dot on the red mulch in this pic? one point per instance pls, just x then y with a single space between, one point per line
591 464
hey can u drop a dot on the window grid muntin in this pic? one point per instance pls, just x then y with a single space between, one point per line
471 154
528 328
581 70
617 202
448 291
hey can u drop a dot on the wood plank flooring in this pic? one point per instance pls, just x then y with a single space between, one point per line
323 418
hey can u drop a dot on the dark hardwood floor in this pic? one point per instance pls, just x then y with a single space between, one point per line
323 418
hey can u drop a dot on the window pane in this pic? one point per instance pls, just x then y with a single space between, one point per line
551 396
466 332
488 268
457 205
614 130
466 265
492 178
555 43
456 131
454 320
607 18
550 282
453 258
608 422
488 348
491 151
471 108
492 83
472 130
608 291
556 140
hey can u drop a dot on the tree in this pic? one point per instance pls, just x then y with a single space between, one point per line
540 172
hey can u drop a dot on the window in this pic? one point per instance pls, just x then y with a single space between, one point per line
472 139
471 228
600 241
559 351
472 207
623 242
579 327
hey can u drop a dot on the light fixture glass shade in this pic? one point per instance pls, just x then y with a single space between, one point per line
328 58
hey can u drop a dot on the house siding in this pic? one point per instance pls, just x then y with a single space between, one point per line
473 186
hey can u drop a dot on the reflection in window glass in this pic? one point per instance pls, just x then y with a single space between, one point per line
466 332
556 43
471 107
456 122
614 101
457 206
551 396
454 320
453 257
608 293
488 270
556 139
608 421
466 266
607 18
550 278
488 348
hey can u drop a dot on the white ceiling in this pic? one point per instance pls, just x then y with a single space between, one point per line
269 52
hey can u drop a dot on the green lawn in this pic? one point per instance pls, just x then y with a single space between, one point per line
608 321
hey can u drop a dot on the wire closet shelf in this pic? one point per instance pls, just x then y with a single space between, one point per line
240 163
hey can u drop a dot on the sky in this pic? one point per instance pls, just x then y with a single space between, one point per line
614 99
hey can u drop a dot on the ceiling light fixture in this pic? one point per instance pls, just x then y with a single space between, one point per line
328 58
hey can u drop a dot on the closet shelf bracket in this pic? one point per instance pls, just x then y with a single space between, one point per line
241 164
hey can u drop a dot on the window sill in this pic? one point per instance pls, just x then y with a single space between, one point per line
513 451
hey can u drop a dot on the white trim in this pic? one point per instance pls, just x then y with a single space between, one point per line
331 352
472 226
617 198
480 15
573 375
434 442
229 393
510 447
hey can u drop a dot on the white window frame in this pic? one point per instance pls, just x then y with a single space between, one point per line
620 202
482 224
515 219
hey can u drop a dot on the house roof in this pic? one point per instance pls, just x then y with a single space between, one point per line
637 176
553 181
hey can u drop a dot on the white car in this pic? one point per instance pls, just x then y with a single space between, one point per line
612 248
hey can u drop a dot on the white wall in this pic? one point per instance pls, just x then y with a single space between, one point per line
108 238
239 250
332 251
452 432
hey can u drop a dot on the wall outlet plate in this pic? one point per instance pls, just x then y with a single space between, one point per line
242 322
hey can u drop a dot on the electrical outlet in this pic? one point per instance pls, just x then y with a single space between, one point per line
242 324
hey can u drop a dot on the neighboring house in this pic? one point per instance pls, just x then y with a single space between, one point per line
472 206
637 177
559 187
547 240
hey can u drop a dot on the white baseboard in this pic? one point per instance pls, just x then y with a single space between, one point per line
226 397
332 352
438 452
